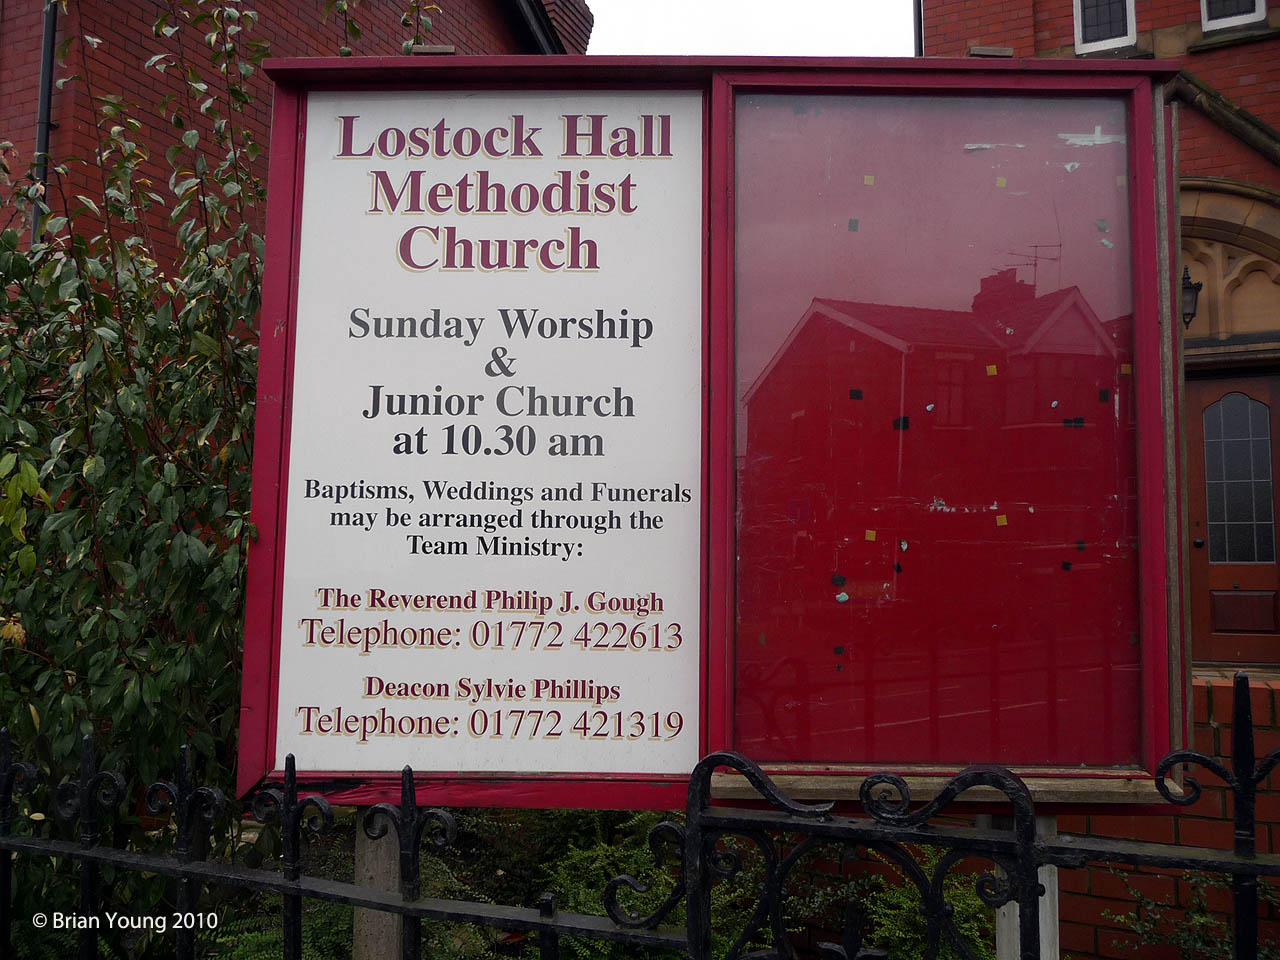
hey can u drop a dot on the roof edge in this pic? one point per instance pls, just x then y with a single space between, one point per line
535 17
1223 113
331 71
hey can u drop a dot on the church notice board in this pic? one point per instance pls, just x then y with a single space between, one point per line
615 411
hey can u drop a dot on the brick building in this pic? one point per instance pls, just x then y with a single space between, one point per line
104 47
1228 155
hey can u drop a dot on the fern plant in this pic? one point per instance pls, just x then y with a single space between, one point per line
326 933
898 924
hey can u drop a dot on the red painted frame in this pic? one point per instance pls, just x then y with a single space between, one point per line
719 79
1162 679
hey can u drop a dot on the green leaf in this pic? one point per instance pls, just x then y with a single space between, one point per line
30 479
19 268
124 573
204 344
231 560
131 695
27 560
191 137
7 462
203 435
197 550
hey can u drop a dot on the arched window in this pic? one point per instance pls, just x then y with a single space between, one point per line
1237 471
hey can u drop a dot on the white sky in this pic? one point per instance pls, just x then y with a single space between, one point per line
846 28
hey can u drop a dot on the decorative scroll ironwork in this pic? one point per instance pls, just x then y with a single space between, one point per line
780 837
283 805
662 839
1243 779
410 824
195 808
81 799
16 779
850 946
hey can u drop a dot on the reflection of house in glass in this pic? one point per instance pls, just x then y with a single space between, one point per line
937 535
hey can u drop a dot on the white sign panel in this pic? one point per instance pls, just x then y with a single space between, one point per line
493 526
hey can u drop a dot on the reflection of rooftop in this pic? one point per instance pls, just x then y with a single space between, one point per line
1005 316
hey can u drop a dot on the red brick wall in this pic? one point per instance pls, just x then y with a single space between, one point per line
1206 150
1089 895
116 65
573 21
1167 13
1055 25
21 27
1248 74
952 26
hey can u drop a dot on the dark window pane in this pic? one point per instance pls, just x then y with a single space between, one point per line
1235 416
1266 542
1238 459
1216 501
1261 502
1102 20
1259 419
1213 422
1217 543
1213 459
1261 459
1239 502
1220 9
1240 543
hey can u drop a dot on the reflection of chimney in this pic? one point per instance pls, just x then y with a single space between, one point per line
1002 290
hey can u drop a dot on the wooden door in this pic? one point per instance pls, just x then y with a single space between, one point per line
1231 460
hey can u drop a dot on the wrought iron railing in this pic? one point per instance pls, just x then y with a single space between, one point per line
783 833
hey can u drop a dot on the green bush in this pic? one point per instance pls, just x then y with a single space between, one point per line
1193 928
126 417
899 926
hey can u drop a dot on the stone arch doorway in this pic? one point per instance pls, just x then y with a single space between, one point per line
1231 244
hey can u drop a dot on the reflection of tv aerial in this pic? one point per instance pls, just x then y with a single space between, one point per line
1035 258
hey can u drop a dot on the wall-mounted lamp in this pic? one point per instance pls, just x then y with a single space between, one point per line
1190 296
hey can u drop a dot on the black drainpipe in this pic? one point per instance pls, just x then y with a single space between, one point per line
918 18
43 124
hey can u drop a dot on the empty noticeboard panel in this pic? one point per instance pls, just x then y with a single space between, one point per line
936 451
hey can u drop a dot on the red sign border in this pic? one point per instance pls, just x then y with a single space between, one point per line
1164 673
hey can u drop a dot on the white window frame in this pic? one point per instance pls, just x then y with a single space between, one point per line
1259 14
1111 43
